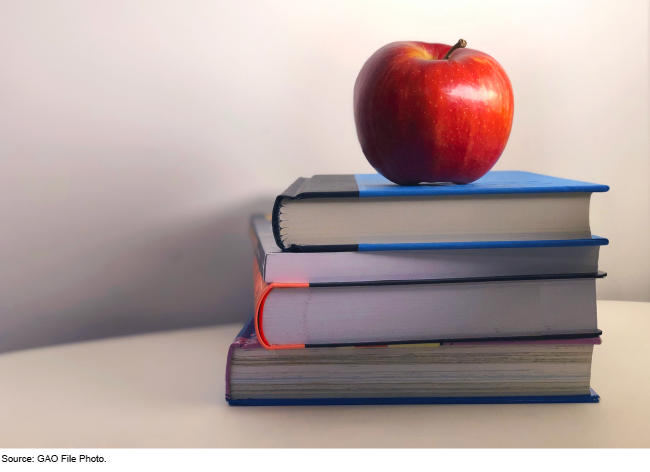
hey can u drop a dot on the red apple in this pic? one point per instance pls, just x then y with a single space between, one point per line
432 113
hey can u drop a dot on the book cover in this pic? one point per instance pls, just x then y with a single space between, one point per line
593 397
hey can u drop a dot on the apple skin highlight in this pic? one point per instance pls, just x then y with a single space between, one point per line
422 118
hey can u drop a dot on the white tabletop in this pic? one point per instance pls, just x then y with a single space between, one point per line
167 390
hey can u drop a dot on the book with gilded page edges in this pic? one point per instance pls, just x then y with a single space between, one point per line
550 371
366 212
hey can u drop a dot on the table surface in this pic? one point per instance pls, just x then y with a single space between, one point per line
167 390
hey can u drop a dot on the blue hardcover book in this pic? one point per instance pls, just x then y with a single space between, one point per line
366 212
542 371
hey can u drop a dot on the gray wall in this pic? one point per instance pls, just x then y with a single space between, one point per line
192 272
136 137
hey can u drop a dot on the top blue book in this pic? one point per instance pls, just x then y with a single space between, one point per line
436 222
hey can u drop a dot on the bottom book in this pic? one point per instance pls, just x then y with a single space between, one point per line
548 371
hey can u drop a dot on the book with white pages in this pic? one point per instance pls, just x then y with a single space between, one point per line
280 266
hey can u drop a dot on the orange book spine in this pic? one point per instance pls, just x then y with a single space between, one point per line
262 290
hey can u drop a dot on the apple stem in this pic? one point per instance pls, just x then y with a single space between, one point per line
460 44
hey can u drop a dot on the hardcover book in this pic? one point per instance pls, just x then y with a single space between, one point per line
367 212
280 266
298 315
557 371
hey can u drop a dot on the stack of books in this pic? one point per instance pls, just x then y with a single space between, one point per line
370 292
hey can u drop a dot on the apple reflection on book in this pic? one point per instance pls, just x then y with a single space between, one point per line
368 292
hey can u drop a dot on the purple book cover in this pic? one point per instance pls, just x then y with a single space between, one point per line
246 339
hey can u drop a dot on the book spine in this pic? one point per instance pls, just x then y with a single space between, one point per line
231 350
318 186
261 291
275 222
293 191
242 338
258 249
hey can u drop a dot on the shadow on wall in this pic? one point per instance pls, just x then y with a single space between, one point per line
191 274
